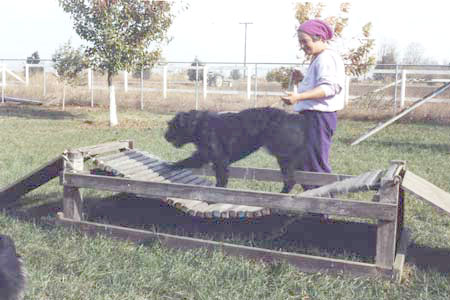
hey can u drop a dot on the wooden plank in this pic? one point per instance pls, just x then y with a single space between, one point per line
427 191
332 206
306 263
106 147
274 175
31 181
403 113
387 229
400 257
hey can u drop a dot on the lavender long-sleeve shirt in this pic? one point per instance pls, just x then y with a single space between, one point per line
327 71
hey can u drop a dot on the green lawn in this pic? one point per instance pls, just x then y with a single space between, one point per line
65 264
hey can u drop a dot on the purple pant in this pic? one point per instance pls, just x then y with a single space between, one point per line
319 132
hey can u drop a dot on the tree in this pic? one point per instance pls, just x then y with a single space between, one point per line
357 58
68 63
121 35
281 75
414 54
387 55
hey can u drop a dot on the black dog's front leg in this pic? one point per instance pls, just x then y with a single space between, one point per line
193 162
221 169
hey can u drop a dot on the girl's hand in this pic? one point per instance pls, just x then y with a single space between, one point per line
289 99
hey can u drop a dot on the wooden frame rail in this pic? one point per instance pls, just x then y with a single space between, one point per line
386 207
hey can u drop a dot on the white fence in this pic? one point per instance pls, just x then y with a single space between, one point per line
249 86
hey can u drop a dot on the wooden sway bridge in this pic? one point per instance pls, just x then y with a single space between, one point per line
128 170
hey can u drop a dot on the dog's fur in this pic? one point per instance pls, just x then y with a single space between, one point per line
12 277
225 138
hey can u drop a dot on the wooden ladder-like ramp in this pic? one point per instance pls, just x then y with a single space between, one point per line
31 181
427 192
141 165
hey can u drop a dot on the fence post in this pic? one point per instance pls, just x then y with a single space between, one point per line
403 89
205 81
27 74
89 79
256 84
142 88
113 121
249 83
91 85
125 81
3 82
45 81
347 90
164 82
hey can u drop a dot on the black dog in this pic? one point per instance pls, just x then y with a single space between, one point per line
225 138
12 277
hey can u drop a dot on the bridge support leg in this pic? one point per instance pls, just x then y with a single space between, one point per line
73 199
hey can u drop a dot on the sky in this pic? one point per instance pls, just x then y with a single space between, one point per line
211 29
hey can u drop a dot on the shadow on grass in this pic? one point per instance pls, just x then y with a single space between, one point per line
35 112
348 240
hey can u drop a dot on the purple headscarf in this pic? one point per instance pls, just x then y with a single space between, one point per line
317 27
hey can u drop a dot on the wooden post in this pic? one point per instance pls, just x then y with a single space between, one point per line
387 230
73 200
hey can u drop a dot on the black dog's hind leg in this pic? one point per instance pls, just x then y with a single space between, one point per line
287 170
193 162
221 169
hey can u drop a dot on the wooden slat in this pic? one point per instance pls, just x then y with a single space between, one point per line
427 191
384 211
305 263
274 175
31 181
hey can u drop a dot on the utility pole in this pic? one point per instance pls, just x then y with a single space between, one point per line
245 45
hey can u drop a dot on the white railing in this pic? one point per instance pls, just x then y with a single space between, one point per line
251 89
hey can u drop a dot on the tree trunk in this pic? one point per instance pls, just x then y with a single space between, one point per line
112 103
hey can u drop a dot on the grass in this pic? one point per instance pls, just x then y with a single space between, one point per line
65 264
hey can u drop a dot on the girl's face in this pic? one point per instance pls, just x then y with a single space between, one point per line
308 45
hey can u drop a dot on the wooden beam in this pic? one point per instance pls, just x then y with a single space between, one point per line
274 175
403 113
306 263
387 229
402 248
31 181
106 147
287 202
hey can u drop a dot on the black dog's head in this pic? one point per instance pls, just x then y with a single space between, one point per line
181 129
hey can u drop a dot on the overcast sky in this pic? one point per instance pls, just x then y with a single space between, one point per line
210 29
